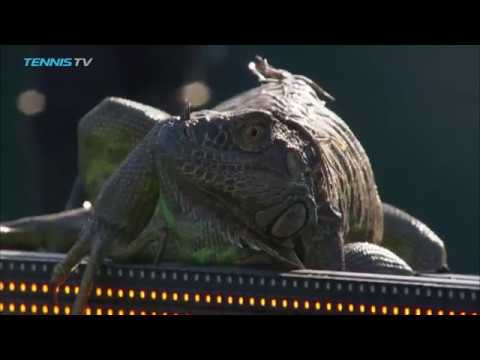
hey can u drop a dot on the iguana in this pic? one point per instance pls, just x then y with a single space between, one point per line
270 177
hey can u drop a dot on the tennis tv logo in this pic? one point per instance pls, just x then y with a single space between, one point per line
58 62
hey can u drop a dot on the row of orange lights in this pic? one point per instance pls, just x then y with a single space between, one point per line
240 300
23 287
66 310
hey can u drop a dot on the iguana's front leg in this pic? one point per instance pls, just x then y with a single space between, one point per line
122 210
106 135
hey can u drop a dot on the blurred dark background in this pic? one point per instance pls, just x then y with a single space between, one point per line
414 108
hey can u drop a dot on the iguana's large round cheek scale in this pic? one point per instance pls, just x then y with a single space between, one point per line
290 222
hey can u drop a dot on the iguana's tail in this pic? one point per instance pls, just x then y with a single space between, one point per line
53 232
413 241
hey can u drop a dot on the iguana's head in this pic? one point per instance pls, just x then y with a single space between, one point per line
245 163
248 163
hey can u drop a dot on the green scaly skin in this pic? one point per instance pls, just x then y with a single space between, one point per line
270 177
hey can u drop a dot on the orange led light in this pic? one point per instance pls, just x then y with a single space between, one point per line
175 296
362 308
230 300
384 310
240 300
67 310
45 288
1 286
463 313
329 306
11 286
109 312
219 299
339 307
418 311
99 311
142 294
11 307
186 297
208 299
1 307
373 309
164 296
154 313
45 309
351 308
262 302
109 292
143 313
153 295
273 303
121 312
406 311
295 304
131 294
98 291
284 303
56 310
23 308
396 310
88 311
251 301
76 290
440 312
33 288
120 293
33 309
23 287
67 289
429 312
197 298
451 313
131 312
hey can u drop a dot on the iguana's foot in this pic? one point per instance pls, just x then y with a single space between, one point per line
93 240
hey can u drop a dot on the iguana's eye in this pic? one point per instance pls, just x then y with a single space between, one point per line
253 137
252 133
